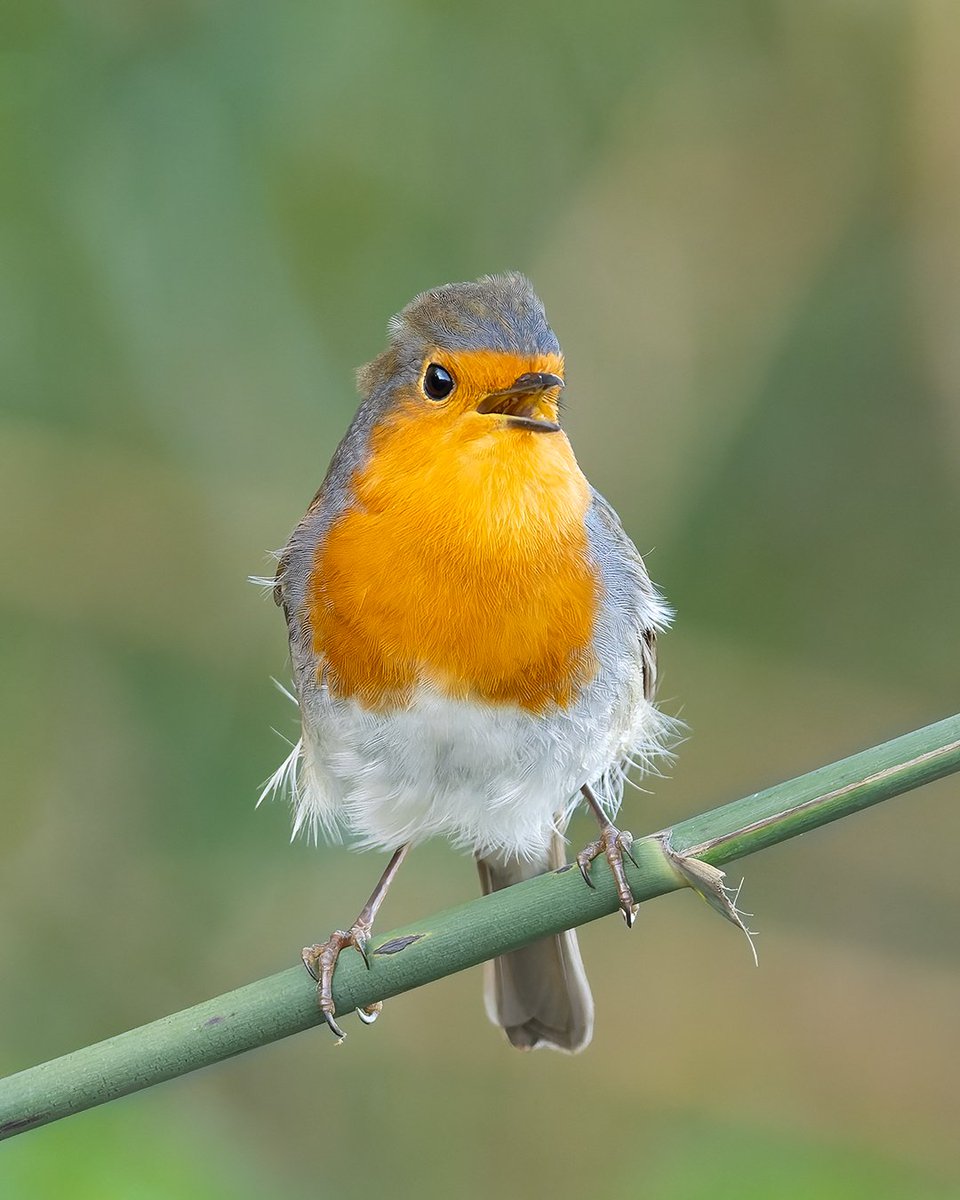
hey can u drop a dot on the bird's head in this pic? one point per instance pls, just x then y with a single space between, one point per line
471 361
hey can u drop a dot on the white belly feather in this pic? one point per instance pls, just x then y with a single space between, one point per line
494 779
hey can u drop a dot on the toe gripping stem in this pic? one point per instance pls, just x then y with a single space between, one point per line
613 845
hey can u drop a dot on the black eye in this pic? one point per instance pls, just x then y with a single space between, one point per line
437 382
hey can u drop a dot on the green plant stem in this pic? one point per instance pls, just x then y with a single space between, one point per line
461 937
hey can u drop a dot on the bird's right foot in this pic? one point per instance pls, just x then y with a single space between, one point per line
613 845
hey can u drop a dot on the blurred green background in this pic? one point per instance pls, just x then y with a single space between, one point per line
743 219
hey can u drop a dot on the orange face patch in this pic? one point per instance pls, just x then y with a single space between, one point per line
478 373
463 557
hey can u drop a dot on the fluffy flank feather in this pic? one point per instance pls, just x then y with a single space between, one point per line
267 582
284 780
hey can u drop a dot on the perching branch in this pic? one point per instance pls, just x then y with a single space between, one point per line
462 937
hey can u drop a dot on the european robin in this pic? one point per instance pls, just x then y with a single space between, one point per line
472 633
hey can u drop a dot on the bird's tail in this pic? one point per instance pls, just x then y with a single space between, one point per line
539 994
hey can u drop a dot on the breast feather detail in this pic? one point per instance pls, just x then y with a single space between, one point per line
464 562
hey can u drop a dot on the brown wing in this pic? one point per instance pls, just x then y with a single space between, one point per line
650 610
648 648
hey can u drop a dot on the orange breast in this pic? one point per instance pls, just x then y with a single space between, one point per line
465 562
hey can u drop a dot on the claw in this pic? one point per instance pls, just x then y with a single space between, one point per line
360 943
334 1027
625 841
369 1015
583 862
311 956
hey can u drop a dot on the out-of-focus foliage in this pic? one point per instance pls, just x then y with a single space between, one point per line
743 219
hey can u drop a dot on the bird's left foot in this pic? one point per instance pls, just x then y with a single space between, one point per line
613 845
321 961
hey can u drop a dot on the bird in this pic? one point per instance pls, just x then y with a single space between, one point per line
473 636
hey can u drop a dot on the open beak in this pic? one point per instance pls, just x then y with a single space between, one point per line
520 402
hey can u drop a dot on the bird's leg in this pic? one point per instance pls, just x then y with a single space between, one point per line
321 959
613 845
